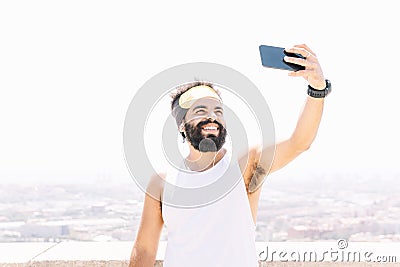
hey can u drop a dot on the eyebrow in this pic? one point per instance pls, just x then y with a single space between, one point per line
205 107
199 107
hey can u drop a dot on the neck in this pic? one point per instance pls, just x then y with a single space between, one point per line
201 161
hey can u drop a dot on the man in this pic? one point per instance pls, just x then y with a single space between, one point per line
223 232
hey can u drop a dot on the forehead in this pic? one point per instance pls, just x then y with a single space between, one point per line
206 102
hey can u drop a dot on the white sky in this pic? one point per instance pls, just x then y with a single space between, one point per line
69 69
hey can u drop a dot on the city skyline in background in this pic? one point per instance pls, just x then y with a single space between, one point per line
289 210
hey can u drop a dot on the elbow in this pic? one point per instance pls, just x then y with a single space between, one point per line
305 147
301 146
302 149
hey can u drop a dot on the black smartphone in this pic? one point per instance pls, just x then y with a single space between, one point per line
272 57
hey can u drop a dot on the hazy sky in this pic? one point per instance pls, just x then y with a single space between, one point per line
69 70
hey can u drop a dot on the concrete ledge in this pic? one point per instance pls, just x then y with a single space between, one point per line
117 254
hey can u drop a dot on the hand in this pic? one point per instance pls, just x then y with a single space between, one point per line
313 72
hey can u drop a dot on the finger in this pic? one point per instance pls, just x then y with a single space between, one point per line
299 50
299 61
299 73
304 46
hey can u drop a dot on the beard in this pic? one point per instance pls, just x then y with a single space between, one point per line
208 143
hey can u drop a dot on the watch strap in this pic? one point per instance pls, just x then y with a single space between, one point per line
320 93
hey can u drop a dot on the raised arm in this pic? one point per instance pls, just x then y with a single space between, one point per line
308 123
306 128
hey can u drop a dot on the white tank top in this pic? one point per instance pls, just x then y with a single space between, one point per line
213 235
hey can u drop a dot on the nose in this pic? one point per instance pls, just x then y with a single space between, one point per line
212 116
212 119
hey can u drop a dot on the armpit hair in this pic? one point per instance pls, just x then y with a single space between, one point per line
257 178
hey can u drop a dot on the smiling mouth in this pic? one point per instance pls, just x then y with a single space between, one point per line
210 128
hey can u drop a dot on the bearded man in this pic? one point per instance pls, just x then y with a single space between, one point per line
221 233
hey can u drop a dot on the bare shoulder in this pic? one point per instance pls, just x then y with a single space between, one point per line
156 185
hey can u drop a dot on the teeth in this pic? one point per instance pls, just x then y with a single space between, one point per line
210 128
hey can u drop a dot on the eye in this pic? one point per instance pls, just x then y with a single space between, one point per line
219 112
200 111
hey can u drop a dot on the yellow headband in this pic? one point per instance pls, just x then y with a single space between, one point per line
195 93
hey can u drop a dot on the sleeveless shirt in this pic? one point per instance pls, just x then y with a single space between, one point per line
214 235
